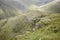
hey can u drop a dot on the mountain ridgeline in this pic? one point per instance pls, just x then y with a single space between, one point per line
23 5
53 7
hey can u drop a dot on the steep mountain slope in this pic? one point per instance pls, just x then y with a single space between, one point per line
34 25
50 30
49 25
7 11
8 16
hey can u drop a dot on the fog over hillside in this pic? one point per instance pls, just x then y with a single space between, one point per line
24 4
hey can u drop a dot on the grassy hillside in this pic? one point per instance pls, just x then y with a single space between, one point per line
49 28
34 25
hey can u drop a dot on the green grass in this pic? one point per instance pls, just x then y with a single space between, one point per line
47 33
